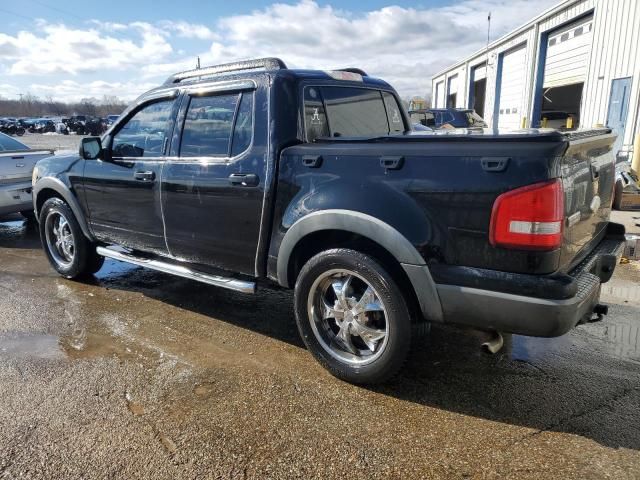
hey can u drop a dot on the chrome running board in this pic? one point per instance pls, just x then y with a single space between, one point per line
180 271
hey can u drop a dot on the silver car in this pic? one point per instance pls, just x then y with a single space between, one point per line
16 165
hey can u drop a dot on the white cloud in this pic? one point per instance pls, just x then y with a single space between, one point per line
72 90
405 46
59 49
189 30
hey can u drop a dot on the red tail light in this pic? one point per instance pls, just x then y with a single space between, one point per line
529 218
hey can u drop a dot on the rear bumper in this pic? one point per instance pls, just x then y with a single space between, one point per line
532 315
15 198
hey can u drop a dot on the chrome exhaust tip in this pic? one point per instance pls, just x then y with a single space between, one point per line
494 344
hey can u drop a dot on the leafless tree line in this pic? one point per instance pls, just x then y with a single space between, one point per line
32 106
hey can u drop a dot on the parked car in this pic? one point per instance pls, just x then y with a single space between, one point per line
16 165
447 118
111 119
11 127
42 125
311 180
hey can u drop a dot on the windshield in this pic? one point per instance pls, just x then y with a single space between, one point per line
334 111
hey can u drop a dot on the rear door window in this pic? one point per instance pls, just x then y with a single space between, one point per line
208 125
243 129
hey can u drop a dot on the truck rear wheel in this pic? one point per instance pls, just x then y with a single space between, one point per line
352 316
70 253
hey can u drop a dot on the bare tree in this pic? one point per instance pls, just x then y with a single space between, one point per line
31 106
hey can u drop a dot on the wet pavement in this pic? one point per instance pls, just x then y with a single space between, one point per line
137 374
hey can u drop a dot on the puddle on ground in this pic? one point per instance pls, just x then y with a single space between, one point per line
113 269
20 233
619 338
533 349
622 338
31 346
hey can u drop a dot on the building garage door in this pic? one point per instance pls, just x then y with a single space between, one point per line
568 54
565 70
512 87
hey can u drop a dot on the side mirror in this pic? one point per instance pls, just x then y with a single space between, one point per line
91 148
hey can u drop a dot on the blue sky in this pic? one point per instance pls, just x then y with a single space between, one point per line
70 50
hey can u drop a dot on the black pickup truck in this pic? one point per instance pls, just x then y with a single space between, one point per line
250 173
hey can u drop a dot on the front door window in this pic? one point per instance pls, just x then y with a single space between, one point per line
144 134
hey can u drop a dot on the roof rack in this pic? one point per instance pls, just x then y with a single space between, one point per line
354 70
269 63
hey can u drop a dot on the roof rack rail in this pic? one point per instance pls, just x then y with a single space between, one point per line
269 63
359 71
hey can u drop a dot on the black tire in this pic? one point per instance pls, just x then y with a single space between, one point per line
28 214
85 260
397 318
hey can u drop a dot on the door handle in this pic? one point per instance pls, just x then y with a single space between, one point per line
145 176
244 179
312 161
391 163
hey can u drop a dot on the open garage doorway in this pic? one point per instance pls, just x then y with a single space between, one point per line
478 88
479 94
566 53
561 107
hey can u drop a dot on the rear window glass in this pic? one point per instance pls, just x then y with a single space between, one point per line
8 143
350 112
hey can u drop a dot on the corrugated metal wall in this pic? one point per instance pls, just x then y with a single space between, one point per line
615 53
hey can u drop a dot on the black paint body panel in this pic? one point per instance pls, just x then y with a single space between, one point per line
439 197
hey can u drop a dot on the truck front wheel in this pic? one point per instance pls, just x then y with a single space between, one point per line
352 316
66 247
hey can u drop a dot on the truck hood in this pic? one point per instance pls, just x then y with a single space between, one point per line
56 165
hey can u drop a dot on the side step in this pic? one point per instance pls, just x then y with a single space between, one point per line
180 271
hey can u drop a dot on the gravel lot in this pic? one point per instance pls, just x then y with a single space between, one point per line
52 141
137 374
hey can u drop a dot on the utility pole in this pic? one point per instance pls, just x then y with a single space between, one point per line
21 95
488 35
198 63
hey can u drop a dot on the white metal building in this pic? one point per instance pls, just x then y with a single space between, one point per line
579 59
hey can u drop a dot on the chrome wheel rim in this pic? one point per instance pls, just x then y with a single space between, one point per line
60 239
348 317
